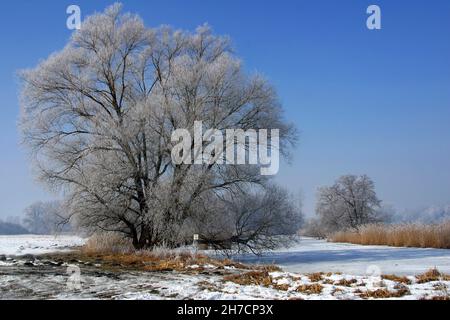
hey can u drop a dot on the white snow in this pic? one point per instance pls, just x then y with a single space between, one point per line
360 266
37 244
311 255
158 285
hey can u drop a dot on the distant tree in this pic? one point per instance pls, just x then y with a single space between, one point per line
349 203
428 215
314 228
13 220
45 218
386 213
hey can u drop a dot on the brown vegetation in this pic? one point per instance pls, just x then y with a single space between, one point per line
314 288
443 298
393 277
402 235
385 293
108 242
432 275
315 277
346 283
111 250
259 278
282 287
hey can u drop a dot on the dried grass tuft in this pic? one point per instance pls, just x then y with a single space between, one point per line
107 243
393 277
315 277
432 275
314 288
259 278
385 293
346 283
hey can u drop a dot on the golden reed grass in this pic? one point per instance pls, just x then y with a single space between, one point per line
400 235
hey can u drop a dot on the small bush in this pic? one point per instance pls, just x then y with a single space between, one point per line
432 275
346 283
395 278
315 277
385 293
315 288
107 243
258 278
281 287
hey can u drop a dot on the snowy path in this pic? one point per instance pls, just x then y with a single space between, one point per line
311 255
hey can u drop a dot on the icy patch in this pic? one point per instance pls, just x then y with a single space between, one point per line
311 255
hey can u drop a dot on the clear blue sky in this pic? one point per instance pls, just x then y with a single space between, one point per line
373 102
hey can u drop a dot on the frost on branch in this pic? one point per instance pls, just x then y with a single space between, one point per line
98 116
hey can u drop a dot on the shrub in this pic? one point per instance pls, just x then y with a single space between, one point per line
259 278
395 278
346 283
432 275
315 288
107 243
385 293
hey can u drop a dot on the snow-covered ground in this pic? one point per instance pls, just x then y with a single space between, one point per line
311 255
349 272
36 244
308 255
44 280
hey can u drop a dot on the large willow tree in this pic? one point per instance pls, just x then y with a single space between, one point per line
99 114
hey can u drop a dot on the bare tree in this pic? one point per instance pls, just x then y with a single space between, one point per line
98 117
45 218
349 203
314 228
253 220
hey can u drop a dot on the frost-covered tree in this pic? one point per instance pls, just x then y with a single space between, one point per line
253 220
45 218
349 203
98 117
315 228
427 215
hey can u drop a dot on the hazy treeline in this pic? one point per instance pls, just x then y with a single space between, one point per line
428 215
41 218
11 228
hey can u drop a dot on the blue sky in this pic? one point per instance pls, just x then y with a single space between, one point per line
373 102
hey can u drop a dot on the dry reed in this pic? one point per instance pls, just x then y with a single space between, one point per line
400 235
